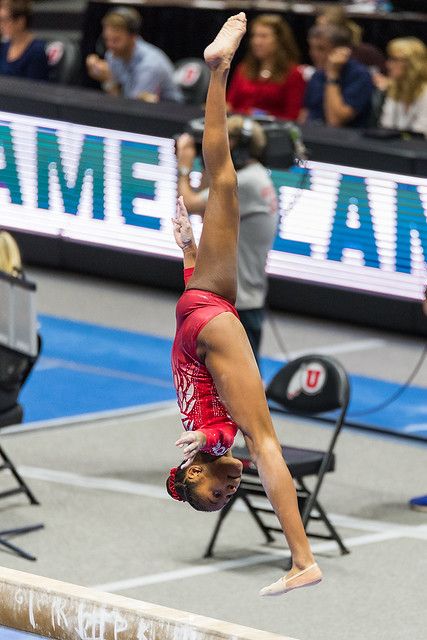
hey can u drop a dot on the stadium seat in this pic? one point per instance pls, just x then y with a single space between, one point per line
192 75
64 61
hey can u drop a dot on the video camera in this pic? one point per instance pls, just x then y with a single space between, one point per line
284 148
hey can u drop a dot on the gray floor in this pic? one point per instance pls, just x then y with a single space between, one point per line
109 523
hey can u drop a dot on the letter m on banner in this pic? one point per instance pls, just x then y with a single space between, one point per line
90 163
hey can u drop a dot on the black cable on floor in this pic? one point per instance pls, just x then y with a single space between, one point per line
394 396
276 333
382 405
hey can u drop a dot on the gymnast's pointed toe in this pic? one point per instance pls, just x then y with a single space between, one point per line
306 578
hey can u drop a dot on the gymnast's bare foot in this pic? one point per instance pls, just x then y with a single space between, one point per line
220 52
294 580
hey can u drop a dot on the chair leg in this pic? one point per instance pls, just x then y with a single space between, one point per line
20 480
20 531
312 503
269 538
222 514
334 533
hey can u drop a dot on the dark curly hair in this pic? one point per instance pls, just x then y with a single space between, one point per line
177 484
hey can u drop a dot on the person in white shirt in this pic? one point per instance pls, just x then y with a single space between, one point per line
405 105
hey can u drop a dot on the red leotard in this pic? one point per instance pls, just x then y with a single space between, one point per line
198 400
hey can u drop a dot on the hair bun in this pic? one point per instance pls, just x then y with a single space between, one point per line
170 485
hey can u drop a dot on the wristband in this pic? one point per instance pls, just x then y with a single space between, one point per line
183 172
332 81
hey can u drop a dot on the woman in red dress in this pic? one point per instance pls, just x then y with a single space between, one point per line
268 80
218 384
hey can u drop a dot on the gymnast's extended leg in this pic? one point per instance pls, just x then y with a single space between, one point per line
216 264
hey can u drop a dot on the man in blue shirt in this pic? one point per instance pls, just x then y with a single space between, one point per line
340 91
132 67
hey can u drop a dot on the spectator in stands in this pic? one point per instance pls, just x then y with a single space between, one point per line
405 105
10 257
21 54
339 92
364 52
268 81
258 215
132 67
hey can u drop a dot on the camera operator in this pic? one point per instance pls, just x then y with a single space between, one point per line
258 215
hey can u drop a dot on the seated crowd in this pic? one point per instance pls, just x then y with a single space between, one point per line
351 83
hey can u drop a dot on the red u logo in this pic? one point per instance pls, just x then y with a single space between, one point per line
312 378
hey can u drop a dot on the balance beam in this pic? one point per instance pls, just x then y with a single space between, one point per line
68 612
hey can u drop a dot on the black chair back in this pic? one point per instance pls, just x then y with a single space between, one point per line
15 368
192 76
64 61
377 102
310 384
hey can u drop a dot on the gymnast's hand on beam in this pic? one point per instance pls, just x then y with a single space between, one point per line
191 442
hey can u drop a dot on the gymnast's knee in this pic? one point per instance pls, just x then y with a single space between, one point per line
225 181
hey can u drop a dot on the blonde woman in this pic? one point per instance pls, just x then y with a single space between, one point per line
405 106
10 257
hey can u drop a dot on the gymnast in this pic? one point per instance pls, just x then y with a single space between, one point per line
218 384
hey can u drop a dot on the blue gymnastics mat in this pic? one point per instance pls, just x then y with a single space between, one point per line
86 368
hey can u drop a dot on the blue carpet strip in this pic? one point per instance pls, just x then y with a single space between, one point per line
86 368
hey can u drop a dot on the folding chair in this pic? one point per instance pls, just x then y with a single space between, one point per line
19 349
14 371
309 385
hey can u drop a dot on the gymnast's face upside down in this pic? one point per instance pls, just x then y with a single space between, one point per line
208 483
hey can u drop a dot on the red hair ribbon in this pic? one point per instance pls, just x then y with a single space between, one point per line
174 493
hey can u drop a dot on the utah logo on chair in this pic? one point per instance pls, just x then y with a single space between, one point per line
310 379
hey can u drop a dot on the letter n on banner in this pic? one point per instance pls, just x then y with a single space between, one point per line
411 217
353 227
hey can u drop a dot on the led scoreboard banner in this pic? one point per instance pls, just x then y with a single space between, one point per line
339 226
